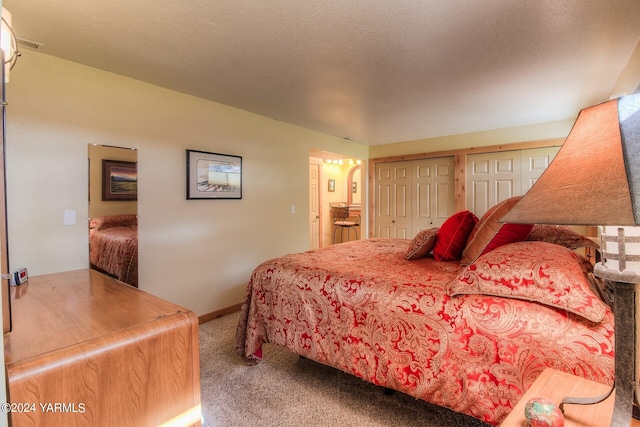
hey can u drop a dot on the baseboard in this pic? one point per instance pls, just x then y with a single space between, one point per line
218 313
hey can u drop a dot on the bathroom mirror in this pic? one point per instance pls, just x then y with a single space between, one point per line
355 186
113 212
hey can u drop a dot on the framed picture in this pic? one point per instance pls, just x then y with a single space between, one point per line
119 180
213 176
332 185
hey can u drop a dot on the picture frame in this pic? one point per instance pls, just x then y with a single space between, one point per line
213 176
119 181
332 185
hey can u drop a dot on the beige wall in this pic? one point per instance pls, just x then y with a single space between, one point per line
559 129
197 253
629 80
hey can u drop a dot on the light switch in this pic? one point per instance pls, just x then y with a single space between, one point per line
293 209
69 217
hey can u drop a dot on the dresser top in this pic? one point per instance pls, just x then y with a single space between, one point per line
59 310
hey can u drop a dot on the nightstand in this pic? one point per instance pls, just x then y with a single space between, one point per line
555 386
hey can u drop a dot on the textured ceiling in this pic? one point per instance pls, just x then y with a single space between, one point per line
376 71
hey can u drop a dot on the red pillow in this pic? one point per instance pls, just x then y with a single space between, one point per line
452 236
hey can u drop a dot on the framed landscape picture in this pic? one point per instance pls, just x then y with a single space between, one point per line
213 175
119 180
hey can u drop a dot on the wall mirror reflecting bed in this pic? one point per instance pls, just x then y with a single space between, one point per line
113 212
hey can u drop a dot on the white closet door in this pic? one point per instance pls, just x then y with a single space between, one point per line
492 178
534 162
445 197
413 196
393 199
423 173
433 196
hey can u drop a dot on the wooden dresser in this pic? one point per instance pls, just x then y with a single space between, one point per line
87 350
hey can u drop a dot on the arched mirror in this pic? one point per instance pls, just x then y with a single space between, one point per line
113 212
354 189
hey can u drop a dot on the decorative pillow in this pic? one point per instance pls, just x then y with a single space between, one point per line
561 235
540 272
489 233
422 244
452 236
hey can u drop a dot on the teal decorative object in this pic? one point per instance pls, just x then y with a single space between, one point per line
543 413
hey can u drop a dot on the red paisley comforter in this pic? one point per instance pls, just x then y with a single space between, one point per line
362 308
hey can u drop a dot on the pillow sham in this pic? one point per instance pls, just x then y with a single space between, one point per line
489 232
561 235
422 244
539 272
452 236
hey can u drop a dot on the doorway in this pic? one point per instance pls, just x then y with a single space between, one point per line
333 178
315 211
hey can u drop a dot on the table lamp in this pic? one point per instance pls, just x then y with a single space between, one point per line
595 180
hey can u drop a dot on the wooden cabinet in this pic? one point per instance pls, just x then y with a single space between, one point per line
88 350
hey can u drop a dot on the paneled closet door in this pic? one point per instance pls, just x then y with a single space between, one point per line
393 199
433 196
534 162
494 177
413 196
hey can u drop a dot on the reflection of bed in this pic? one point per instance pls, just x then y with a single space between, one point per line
472 338
113 246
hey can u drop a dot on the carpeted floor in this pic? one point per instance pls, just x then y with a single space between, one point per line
286 390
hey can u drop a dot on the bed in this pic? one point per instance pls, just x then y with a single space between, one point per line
469 328
113 246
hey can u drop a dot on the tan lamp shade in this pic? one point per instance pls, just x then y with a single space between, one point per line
595 180
595 177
